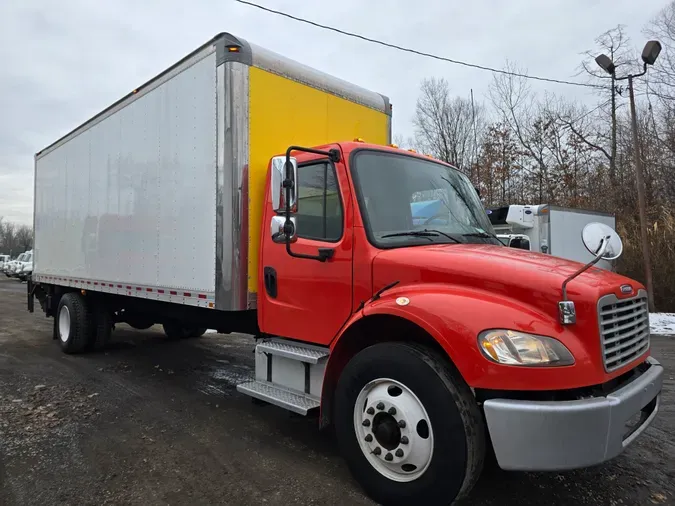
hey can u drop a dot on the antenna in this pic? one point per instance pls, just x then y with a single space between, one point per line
475 135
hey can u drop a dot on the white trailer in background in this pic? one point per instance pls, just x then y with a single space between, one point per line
548 229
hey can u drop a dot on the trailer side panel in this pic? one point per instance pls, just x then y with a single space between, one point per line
130 200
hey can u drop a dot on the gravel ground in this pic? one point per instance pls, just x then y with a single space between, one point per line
157 422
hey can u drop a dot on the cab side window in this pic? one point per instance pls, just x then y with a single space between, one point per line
319 215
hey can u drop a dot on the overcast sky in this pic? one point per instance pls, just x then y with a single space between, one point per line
64 60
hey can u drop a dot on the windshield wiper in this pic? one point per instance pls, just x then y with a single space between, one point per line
484 235
433 230
428 233
413 233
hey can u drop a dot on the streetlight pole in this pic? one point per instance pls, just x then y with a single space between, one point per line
649 55
642 207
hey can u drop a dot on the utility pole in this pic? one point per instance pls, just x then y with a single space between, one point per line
649 55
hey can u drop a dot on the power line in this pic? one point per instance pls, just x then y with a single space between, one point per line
415 51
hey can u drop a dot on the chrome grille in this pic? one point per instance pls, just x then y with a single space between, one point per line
624 329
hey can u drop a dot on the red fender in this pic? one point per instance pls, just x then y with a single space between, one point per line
455 315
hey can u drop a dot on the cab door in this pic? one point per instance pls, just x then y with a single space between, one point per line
303 299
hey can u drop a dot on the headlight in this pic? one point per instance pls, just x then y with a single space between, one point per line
518 348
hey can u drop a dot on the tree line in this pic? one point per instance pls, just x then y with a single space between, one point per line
14 239
523 147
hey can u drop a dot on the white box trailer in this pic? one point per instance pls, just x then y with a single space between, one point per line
549 229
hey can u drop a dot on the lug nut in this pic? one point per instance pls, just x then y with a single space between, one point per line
401 423
370 411
380 406
366 423
399 453
392 411
369 438
388 457
404 440
377 451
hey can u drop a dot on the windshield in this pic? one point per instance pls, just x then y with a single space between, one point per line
406 200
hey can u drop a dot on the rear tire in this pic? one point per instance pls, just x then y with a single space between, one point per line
140 324
177 331
196 332
73 325
409 402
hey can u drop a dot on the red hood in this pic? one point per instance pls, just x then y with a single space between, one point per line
534 278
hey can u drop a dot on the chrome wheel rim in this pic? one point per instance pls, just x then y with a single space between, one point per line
393 430
64 324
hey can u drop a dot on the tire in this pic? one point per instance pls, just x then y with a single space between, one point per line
174 331
73 326
101 328
177 331
140 324
448 446
197 332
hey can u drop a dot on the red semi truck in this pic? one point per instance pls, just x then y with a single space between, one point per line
427 345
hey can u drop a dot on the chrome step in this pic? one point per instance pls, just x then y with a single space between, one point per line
293 401
293 351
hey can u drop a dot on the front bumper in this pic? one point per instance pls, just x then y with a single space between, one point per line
558 435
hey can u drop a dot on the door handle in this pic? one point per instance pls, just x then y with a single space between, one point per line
270 277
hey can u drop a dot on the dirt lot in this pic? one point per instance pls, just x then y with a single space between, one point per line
158 422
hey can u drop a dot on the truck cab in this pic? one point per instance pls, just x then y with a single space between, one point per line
414 330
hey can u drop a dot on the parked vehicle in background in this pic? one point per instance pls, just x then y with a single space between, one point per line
25 268
3 259
223 194
519 241
548 229
14 264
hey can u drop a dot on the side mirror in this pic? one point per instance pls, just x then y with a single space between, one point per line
277 183
602 241
277 230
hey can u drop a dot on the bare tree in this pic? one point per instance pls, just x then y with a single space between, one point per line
617 45
447 127
662 76
7 230
24 237
517 106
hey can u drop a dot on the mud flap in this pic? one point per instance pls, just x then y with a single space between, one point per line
30 289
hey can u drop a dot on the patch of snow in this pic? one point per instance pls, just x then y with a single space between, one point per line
211 331
662 323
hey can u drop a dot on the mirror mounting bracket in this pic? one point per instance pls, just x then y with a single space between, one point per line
601 252
333 155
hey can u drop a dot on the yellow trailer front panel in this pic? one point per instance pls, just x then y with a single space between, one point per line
285 112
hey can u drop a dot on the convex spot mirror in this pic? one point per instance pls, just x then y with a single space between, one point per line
277 183
601 239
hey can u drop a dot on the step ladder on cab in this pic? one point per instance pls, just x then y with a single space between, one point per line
288 374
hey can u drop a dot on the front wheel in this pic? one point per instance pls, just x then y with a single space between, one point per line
409 427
